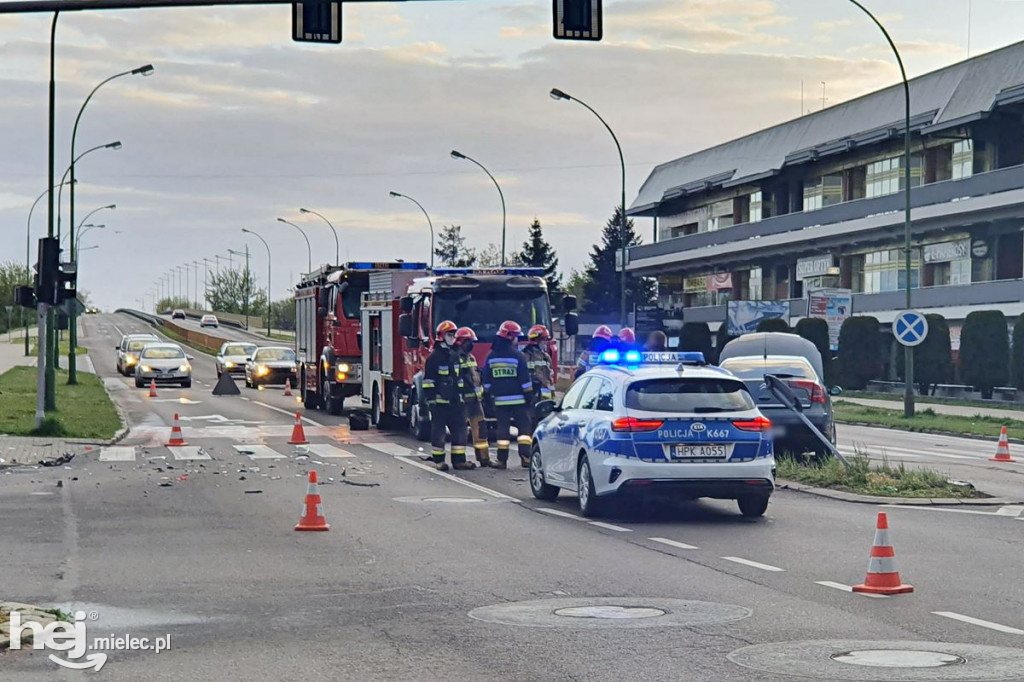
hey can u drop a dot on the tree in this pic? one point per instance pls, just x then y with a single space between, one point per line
576 286
604 281
815 330
451 248
235 291
696 336
537 253
933 358
984 351
860 351
1017 359
169 303
773 324
490 257
12 275
282 313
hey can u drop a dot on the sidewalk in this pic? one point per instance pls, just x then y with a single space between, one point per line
16 451
938 408
13 355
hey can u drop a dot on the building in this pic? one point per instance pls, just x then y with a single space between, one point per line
818 201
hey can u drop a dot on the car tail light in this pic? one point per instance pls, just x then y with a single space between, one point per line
758 423
635 425
816 390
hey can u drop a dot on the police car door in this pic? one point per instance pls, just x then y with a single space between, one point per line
579 425
555 448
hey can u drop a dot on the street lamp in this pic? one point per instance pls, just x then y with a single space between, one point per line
28 250
180 287
110 145
337 248
206 280
195 282
268 272
457 155
309 249
557 94
246 280
395 195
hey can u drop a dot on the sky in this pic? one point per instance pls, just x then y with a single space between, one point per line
239 125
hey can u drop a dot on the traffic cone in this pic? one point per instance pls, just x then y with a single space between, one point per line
288 387
176 437
882 576
298 435
152 388
312 517
1003 449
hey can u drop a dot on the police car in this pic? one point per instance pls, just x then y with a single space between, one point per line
654 424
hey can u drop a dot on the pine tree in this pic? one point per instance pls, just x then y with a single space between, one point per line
602 289
537 253
451 248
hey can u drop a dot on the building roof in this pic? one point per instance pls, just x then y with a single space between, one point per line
943 99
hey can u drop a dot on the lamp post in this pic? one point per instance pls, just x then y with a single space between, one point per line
60 193
337 247
395 195
217 257
181 288
206 281
458 155
268 272
557 94
309 249
195 282
28 251
246 282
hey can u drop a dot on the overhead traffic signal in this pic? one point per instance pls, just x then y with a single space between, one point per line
316 21
577 19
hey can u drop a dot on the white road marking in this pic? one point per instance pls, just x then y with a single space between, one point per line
258 452
753 564
943 509
180 401
1014 510
456 479
911 453
324 450
118 453
559 512
847 588
977 621
393 449
609 526
290 414
673 543
189 452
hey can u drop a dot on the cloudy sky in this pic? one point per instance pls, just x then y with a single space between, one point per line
240 126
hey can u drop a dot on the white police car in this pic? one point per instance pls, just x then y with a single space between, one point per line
654 424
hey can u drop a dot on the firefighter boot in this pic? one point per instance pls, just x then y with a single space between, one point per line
438 457
524 442
459 462
502 462
483 454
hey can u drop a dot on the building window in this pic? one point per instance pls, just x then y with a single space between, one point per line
826 190
963 159
721 215
886 176
756 207
755 285
884 271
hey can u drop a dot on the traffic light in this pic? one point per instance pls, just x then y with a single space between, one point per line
577 19
25 296
316 21
67 283
48 270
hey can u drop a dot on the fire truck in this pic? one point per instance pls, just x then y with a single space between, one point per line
327 331
400 312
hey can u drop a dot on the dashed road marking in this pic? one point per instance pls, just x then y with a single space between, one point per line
258 452
1005 514
290 414
847 588
753 564
189 452
977 621
559 512
673 543
118 453
455 479
610 526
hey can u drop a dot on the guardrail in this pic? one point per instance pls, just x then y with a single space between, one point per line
197 338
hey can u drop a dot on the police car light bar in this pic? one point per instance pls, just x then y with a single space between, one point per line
613 356
522 272
368 265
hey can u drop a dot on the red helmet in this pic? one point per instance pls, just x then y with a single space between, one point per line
626 335
603 332
538 332
445 327
465 334
510 330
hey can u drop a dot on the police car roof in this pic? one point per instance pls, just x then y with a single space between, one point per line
664 370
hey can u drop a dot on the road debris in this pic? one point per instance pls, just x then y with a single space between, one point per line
58 461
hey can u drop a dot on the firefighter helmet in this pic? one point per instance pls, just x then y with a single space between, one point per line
626 335
465 334
538 332
510 330
603 332
446 327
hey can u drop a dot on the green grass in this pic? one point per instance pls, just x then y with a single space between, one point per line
65 348
926 421
938 400
83 411
281 337
881 480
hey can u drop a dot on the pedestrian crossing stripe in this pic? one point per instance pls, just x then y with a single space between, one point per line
258 452
393 449
118 453
189 453
323 450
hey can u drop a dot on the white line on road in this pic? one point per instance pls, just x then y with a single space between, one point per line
977 621
118 453
456 479
189 452
753 564
393 449
258 452
290 414
673 543
847 588
559 512
952 511
609 526
323 450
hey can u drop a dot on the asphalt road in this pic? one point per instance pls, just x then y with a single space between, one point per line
229 333
387 593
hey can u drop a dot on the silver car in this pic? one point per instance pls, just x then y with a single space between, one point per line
163 363
270 365
232 356
128 351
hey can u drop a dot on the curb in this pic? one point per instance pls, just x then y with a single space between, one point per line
845 496
935 432
31 612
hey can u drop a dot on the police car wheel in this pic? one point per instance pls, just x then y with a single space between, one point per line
753 505
590 504
540 489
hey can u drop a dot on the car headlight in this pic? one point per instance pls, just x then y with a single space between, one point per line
343 368
228 364
146 368
184 368
262 370
130 359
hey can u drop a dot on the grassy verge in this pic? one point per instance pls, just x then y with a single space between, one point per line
65 348
83 411
926 421
938 400
282 337
881 480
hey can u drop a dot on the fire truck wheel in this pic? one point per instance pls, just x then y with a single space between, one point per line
419 427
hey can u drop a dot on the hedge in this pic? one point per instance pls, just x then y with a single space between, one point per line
860 351
985 351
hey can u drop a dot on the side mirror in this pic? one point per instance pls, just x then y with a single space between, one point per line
411 342
543 408
569 303
406 304
117 347
835 390
405 325
572 324
324 299
190 357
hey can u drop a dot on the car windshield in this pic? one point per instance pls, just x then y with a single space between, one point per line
138 345
275 355
162 353
239 349
754 368
209 318
484 311
674 394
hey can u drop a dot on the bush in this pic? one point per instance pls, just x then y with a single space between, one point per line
933 359
1017 354
722 337
860 351
984 351
774 324
815 330
696 336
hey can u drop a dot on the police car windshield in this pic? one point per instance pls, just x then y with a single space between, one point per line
676 394
484 311
755 367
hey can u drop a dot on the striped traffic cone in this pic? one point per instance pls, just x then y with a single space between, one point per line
176 437
882 576
312 517
152 388
298 434
288 387
1003 449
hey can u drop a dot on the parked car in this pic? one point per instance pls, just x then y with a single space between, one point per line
208 321
232 356
128 351
270 365
163 363
178 314
798 362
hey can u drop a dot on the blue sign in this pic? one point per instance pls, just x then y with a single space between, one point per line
910 328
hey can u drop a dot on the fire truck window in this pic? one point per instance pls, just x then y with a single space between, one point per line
334 300
425 319
351 299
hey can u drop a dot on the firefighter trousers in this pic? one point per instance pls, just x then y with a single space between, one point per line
520 414
448 418
478 431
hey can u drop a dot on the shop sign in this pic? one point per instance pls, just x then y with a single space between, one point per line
692 285
815 266
946 251
979 248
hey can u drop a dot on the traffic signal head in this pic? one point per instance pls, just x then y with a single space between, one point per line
67 282
48 270
578 19
25 296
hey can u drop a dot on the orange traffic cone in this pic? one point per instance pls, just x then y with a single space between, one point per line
1003 449
176 437
312 514
152 388
288 387
882 576
298 435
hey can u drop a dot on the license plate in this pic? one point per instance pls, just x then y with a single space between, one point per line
702 451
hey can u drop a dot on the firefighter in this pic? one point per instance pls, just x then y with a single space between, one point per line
539 363
626 339
507 379
600 341
474 395
656 342
444 389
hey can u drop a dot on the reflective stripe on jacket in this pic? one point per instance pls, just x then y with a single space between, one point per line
507 377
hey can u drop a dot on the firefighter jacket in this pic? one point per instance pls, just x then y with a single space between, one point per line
473 391
507 377
541 372
442 377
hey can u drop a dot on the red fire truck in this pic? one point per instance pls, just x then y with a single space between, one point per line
327 338
400 313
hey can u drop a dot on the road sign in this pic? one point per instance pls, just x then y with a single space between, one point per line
910 328
578 19
316 21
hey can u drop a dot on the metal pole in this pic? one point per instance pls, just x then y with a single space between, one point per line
309 249
429 224
42 313
268 272
49 339
195 282
458 155
337 244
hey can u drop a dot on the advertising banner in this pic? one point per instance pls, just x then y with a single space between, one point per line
833 306
744 316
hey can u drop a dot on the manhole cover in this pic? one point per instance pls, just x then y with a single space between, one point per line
609 612
897 658
891 661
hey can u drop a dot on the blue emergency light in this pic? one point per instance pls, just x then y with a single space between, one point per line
522 272
613 356
369 265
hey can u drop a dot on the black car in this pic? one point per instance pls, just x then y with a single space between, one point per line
178 314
